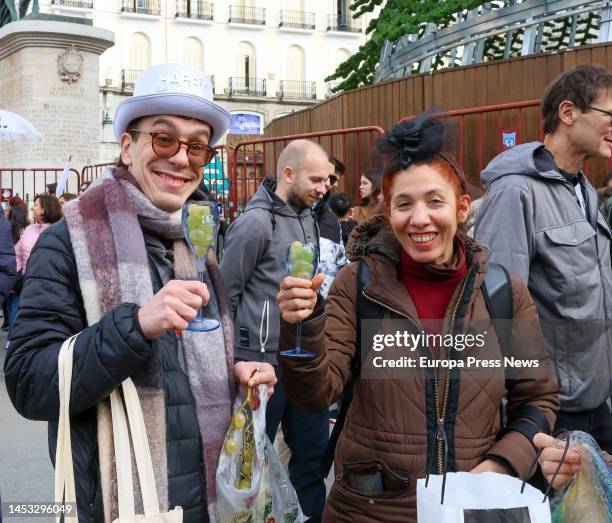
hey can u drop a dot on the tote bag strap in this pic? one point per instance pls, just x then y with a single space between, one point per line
142 452
65 490
123 459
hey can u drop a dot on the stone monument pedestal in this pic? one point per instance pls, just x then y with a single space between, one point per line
49 74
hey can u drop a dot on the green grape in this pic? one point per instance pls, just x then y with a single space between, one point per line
307 255
197 237
231 446
247 453
201 250
301 269
244 484
192 222
247 468
238 420
199 211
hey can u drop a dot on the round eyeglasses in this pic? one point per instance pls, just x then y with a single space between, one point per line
166 146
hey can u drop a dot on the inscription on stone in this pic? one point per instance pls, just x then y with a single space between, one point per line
69 91
14 90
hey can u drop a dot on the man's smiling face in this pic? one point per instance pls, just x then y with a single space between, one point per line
166 182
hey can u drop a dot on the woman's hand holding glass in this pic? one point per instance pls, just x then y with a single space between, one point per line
297 298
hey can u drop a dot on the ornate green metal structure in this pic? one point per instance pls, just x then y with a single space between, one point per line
12 10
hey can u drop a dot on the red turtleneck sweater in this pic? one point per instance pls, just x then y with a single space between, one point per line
431 286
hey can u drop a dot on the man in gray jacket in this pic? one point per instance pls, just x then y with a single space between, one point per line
540 219
253 266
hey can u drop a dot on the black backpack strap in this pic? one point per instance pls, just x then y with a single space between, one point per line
365 310
498 298
528 420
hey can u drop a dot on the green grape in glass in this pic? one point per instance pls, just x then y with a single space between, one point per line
200 226
301 263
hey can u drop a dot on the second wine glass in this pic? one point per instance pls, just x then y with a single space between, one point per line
302 262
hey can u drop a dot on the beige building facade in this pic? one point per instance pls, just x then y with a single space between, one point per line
267 58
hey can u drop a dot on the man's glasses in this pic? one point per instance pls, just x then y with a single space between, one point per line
166 146
600 110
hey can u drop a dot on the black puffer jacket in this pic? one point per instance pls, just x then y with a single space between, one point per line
51 310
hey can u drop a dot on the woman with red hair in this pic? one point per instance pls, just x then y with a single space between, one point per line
414 272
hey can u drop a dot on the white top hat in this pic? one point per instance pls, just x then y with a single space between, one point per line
175 89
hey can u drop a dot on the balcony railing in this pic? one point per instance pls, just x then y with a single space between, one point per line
297 19
241 14
144 7
247 86
128 78
83 4
298 89
195 9
331 86
346 25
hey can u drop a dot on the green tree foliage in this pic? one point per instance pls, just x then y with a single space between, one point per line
405 17
397 18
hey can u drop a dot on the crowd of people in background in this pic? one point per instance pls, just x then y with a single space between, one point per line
423 246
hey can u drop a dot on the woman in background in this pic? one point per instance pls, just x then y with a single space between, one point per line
370 190
17 215
46 210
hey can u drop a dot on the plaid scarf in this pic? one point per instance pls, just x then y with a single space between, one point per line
105 225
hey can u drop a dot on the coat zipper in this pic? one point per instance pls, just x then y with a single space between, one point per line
441 409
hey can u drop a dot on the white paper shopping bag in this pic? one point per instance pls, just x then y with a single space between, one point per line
479 498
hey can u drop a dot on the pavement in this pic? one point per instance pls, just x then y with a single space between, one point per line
26 474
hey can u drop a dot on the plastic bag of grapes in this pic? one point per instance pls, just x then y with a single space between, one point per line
252 485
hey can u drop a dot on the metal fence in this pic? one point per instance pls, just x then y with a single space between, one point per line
247 86
128 78
145 7
297 19
298 89
241 14
256 159
28 182
195 9
347 24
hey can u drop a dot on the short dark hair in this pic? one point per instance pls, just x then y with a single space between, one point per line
340 203
339 167
52 187
580 85
51 207
132 125
67 196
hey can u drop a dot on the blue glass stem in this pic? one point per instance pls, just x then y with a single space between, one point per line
200 315
298 336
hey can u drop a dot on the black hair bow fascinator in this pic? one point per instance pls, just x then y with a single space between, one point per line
415 140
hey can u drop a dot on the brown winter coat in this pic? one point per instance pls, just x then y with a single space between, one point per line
391 423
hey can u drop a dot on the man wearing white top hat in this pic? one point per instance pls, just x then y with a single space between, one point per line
117 271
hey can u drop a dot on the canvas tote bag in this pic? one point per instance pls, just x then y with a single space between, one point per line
64 472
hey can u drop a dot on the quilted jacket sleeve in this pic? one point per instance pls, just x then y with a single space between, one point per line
50 311
7 259
532 393
315 384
